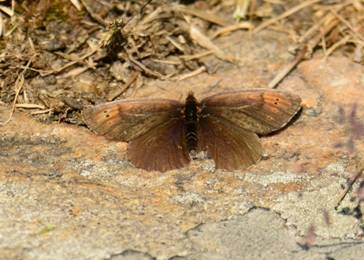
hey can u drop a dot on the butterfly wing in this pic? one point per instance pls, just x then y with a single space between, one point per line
127 119
162 148
230 122
230 146
153 128
260 111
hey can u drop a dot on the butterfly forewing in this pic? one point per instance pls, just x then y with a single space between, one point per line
230 146
258 110
161 148
126 120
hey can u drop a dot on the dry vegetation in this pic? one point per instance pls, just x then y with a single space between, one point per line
57 56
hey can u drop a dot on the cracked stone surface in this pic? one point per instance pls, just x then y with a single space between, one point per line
66 193
241 239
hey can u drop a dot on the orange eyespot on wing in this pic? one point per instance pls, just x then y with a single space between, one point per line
257 110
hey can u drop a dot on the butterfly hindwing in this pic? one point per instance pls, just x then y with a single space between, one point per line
258 110
230 146
161 148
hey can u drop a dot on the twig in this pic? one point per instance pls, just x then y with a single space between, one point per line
30 106
120 91
231 28
191 74
144 68
169 62
42 111
348 188
316 27
196 56
347 24
93 15
285 14
288 68
311 44
19 83
205 42
56 71
77 4
212 18
336 45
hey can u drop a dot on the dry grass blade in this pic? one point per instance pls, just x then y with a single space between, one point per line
358 53
212 18
30 106
242 7
56 71
196 56
349 188
2 25
145 69
7 10
309 41
42 111
347 24
112 95
285 14
234 27
18 87
288 68
77 4
312 43
191 74
145 23
327 19
205 42
93 15
338 44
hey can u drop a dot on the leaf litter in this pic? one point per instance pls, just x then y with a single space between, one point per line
58 56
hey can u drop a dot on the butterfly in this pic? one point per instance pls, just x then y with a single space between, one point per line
161 133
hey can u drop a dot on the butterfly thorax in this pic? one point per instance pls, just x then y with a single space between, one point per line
191 122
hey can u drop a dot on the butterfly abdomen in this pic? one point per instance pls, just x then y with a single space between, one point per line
191 122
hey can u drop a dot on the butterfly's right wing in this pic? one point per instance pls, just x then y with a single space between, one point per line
230 146
230 122
261 111
153 128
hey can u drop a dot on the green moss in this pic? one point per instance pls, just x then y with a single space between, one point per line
48 228
2 44
56 12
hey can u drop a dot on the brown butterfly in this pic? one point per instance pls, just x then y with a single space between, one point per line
162 132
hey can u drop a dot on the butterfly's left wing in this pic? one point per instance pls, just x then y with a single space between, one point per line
162 148
124 120
153 128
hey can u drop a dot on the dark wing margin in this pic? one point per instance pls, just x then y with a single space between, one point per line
259 110
162 148
125 120
230 146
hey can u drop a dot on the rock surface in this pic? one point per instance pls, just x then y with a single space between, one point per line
68 194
